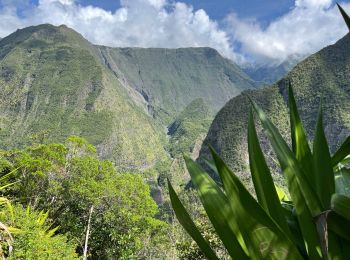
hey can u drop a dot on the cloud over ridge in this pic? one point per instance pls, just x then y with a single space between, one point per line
307 27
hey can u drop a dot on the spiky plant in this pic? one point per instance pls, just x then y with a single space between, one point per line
314 224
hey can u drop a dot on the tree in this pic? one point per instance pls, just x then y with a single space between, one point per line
68 180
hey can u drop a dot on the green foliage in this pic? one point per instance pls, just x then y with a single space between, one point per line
69 179
308 226
36 239
6 209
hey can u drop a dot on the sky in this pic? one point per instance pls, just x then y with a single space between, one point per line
250 31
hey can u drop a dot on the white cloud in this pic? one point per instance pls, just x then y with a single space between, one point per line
142 23
313 3
307 27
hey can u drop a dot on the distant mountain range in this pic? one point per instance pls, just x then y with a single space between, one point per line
324 74
54 84
267 74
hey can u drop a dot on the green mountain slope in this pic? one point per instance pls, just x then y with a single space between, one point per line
170 79
189 128
53 82
324 73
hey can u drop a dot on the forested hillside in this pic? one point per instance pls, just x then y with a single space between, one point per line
322 77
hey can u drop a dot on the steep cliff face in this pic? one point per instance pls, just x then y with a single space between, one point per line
53 84
325 73
170 79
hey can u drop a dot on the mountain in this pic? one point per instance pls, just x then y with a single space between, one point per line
170 79
189 128
324 74
54 83
267 74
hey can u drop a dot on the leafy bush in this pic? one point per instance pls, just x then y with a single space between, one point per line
36 239
68 180
6 209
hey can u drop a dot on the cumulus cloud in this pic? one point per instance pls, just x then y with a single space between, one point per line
141 23
307 27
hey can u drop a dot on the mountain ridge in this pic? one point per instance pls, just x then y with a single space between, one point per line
56 83
185 73
324 73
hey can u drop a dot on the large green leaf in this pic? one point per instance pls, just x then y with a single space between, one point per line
339 225
218 210
341 205
324 177
342 182
186 221
262 179
299 140
288 161
264 238
345 16
304 198
342 152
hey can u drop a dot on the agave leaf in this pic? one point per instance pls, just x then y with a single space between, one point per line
345 16
288 161
299 140
263 237
294 226
186 221
341 205
211 165
304 198
342 182
339 225
282 196
342 152
218 210
324 179
262 179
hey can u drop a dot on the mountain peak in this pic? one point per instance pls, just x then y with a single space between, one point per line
41 36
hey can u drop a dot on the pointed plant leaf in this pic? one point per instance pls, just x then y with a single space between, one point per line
218 210
345 16
339 225
288 161
342 182
262 179
303 196
299 140
263 237
187 223
341 205
324 179
342 152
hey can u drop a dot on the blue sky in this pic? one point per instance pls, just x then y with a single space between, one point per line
269 10
249 31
